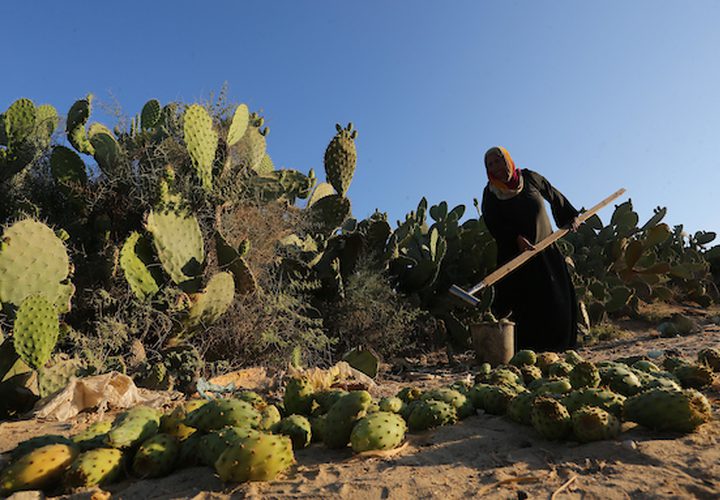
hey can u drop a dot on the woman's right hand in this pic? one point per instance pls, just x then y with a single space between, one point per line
524 244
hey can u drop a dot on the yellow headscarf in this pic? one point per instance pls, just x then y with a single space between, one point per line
514 181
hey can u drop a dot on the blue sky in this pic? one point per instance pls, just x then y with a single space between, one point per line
593 95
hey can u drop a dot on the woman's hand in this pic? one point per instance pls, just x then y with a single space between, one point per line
524 244
574 225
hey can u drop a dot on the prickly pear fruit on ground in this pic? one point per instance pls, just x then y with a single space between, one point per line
408 394
297 428
39 469
133 427
94 467
222 412
157 456
601 398
342 416
31 444
519 408
392 404
94 436
173 423
378 431
258 458
545 359
668 410
710 357
214 443
431 413
694 376
524 357
584 374
462 405
550 418
594 424
298 397
269 416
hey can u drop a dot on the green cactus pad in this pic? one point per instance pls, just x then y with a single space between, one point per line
233 261
67 167
106 149
133 427
213 444
269 416
321 190
363 360
150 114
58 374
20 121
36 330
95 467
135 256
584 374
41 468
179 245
427 414
46 121
31 444
343 415
93 436
238 125
208 306
222 412
668 409
298 396
266 165
329 212
75 127
250 149
33 260
156 456
550 418
340 159
297 428
201 141
594 424
378 431
258 458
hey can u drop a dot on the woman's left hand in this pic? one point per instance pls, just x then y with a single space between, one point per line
574 225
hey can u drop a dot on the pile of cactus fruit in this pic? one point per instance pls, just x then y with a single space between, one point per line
246 437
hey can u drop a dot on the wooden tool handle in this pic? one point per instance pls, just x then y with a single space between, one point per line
510 266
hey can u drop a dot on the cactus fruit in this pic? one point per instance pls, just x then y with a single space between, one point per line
524 357
94 436
601 398
340 158
156 456
694 376
520 407
710 357
668 409
221 412
298 397
201 141
550 418
36 330
39 469
391 404
33 260
463 406
584 374
95 467
133 427
214 443
135 257
594 424
259 458
269 416
179 244
431 413
238 125
378 431
297 428
342 416
210 304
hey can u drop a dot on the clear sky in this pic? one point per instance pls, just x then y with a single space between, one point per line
593 95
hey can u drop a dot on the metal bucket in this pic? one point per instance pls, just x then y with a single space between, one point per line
493 342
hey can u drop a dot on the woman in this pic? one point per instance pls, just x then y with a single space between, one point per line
539 295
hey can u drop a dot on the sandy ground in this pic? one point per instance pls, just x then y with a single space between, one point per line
482 455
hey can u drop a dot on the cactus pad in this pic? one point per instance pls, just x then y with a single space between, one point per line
222 412
550 418
594 424
134 259
238 125
297 428
41 468
258 458
67 167
340 159
209 305
668 409
343 415
150 114
201 141
156 456
133 427
36 330
94 467
378 431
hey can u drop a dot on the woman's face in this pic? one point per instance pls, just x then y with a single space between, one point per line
496 166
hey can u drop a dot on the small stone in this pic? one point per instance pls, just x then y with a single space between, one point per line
629 444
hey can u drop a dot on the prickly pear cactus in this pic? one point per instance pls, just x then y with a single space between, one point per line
668 410
408 394
233 260
259 458
323 400
378 431
209 305
67 167
222 412
601 398
431 413
342 416
584 374
77 117
173 423
213 444
33 260
572 357
135 257
107 151
57 374
495 398
559 369
710 357
297 428
185 364
201 141
250 149
620 379
524 357
364 360
238 125
298 397
269 416
340 158
391 404
94 467
150 114
694 376
31 444
530 373
40 469
545 359
550 418
133 427
462 405
594 424
36 330
156 456
94 436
